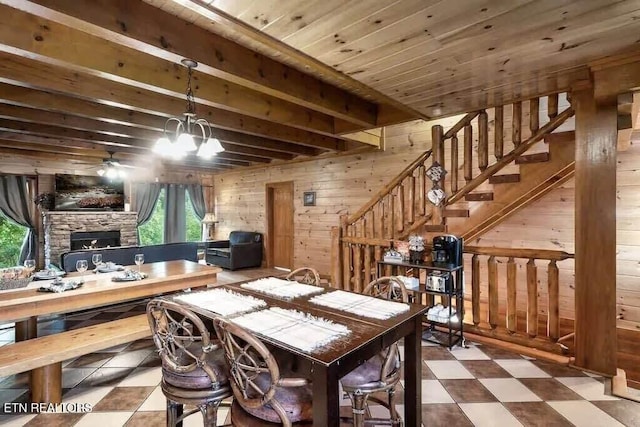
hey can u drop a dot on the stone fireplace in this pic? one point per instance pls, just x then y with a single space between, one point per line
106 228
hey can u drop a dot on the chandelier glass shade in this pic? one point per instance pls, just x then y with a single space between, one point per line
183 136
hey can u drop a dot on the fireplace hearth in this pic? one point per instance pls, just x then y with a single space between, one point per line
94 239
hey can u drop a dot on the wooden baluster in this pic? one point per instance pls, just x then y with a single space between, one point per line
379 220
532 298
357 268
410 184
346 254
512 319
454 164
534 115
483 140
400 208
437 141
336 258
346 266
493 292
437 144
468 153
422 190
369 224
552 108
475 289
498 150
390 214
516 124
553 328
368 265
377 253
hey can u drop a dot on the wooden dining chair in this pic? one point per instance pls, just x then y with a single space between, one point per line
306 275
381 373
194 371
262 393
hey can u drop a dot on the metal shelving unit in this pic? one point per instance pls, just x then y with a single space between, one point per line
447 334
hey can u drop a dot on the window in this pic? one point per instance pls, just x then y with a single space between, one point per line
152 232
194 229
11 238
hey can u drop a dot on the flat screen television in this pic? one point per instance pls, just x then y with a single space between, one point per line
76 192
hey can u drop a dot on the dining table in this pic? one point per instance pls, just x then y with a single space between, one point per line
367 337
25 305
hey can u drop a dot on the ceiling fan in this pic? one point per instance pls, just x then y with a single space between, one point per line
112 168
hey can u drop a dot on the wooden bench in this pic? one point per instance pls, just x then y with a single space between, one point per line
43 356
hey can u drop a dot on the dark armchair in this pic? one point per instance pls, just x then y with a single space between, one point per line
242 250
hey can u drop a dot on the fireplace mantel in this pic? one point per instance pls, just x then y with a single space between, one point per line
58 226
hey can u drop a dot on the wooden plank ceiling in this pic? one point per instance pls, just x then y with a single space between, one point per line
438 57
84 78
280 79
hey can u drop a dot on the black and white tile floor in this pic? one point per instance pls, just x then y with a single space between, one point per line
475 386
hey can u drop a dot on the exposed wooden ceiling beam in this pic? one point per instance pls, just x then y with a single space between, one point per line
167 37
109 60
22 71
12 129
43 158
24 139
120 120
75 123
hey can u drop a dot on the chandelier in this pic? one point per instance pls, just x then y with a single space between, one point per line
186 133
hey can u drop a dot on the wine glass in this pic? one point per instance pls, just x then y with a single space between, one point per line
139 259
81 266
30 265
96 259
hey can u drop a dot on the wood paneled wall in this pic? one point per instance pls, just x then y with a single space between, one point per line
342 185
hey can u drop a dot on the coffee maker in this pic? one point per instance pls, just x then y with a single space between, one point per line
447 251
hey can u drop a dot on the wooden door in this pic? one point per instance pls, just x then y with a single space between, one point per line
280 225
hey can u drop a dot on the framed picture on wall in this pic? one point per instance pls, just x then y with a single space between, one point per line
309 198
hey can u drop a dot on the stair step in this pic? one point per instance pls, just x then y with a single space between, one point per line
504 179
435 228
456 213
479 197
533 158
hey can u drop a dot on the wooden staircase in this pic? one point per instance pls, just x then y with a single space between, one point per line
538 174
480 194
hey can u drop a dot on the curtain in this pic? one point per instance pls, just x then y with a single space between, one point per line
175 219
145 197
14 204
197 200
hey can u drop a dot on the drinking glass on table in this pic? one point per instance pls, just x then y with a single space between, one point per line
96 259
30 264
81 266
139 259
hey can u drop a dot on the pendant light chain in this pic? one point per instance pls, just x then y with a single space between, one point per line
191 102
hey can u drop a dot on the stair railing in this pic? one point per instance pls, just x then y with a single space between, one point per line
363 236
401 208
498 315
475 177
